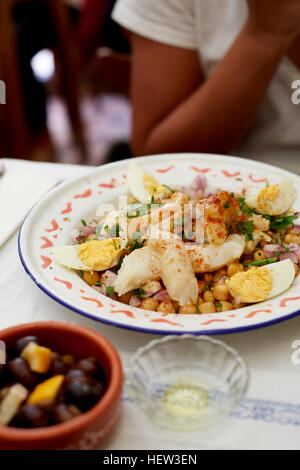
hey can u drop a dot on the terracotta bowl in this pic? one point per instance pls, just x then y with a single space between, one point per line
91 428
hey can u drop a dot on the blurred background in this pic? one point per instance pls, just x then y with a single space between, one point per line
66 67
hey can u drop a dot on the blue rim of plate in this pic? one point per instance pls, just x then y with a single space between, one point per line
136 328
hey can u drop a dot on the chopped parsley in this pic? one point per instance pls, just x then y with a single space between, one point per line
99 284
246 228
113 231
139 293
99 230
138 209
110 290
218 304
81 274
244 208
227 205
281 223
134 245
262 262
197 306
208 286
84 223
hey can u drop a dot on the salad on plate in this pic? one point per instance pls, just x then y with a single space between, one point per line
189 250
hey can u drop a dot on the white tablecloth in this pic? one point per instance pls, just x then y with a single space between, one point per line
269 417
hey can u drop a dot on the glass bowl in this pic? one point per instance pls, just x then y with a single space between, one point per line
186 382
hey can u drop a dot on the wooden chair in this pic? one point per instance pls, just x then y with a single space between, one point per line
17 130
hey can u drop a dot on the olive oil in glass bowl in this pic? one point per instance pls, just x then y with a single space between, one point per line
186 382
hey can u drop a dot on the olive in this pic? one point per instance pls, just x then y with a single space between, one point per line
74 374
32 416
64 412
88 366
58 367
19 370
22 343
84 393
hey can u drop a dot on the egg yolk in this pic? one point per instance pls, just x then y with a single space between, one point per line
152 186
99 254
268 194
251 286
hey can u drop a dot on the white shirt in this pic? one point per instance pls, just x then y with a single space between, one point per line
210 27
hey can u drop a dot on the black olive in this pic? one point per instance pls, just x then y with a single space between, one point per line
84 393
64 412
32 416
74 374
19 370
88 366
58 367
22 343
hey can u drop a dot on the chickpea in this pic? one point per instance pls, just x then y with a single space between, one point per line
188 309
259 255
166 307
208 296
219 274
91 277
296 269
208 277
289 238
224 306
199 301
221 292
149 304
125 298
207 307
234 268
201 287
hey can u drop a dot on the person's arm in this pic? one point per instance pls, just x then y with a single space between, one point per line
176 110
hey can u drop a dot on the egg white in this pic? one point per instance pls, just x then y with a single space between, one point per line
283 202
283 275
135 181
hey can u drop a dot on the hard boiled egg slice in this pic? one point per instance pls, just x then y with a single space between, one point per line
273 200
265 282
95 255
142 186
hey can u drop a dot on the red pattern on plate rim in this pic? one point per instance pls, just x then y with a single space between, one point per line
200 170
47 261
112 184
261 180
90 299
288 299
162 320
256 312
86 194
66 283
54 227
68 208
165 170
48 243
217 320
231 175
128 313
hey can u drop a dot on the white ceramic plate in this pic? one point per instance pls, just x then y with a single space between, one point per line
50 221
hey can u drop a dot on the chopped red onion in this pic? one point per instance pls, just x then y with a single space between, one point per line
291 255
135 301
162 296
296 229
197 185
109 278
